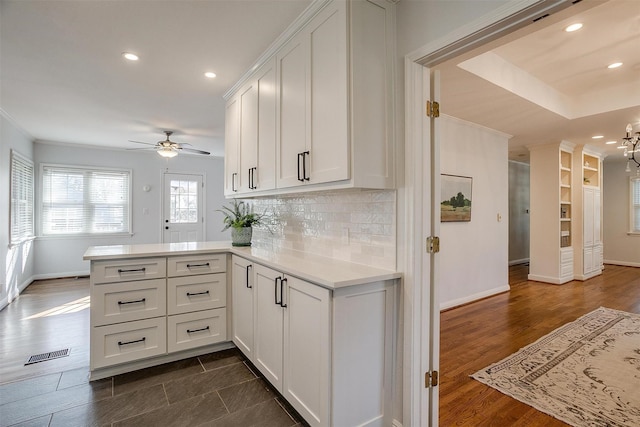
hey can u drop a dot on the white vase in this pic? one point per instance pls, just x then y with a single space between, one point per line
241 236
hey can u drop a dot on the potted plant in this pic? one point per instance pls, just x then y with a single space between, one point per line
240 217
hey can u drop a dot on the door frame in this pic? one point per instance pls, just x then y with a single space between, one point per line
421 172
163 199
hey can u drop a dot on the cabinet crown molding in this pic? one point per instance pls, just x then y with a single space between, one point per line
295 27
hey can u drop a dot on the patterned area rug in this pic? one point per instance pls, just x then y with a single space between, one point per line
585 373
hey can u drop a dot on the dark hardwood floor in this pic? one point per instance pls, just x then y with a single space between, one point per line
483 332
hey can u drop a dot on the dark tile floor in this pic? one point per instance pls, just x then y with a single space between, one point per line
218 389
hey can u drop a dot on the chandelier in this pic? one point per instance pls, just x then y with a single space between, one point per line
631 147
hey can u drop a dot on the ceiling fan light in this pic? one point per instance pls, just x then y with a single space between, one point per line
167 152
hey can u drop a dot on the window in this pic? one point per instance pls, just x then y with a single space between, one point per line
21 198
79 200
635 204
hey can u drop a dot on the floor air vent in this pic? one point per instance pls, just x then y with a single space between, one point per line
43 357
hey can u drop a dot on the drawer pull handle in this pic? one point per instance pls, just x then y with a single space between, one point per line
198 265
190 294
190 331
135 270
132 302
143 339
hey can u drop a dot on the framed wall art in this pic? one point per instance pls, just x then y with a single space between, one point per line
455 202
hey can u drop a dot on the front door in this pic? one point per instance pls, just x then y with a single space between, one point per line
183 219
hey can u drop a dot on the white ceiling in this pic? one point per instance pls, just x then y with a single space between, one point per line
543 84
62 77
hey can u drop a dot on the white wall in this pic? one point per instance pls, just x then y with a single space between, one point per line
518 212
474 255
619 247
16 262
62 256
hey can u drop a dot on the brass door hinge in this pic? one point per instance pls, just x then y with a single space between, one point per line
433 244
433 109
430 379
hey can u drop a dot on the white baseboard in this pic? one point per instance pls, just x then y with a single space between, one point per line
547 279
60 275
622 263
396 423
518 261
474 297
14 294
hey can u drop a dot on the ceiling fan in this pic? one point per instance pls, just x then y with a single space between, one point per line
169 148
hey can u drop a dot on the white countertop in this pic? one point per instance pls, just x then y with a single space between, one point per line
326 272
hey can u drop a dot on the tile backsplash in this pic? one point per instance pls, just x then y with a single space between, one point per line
351 225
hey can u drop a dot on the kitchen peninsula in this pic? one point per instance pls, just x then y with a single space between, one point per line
322 331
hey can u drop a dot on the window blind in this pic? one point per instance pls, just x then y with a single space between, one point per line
21 210
85 201
635 204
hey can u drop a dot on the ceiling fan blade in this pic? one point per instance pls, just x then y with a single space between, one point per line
140 142
193 150
137 149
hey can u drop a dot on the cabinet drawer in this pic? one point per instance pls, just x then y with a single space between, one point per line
128 270
126 342
187 294
197 329
123 302
194 265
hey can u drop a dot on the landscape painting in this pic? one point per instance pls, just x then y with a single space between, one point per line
456 198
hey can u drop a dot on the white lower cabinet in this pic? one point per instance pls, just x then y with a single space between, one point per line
328 352
242 295
307 349
268 324
128 341
190 330
145 311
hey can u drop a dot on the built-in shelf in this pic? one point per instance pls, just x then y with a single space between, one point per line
566 159
590 170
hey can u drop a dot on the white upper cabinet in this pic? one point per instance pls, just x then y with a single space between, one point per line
232 147
314 146
251 134
292 135
333 97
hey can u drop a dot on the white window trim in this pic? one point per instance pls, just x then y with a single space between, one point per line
632 232
41 236
30 236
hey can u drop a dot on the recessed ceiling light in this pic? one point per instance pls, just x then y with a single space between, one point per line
210 75
611 142
615 65
621 147
597 137
130 56
573 27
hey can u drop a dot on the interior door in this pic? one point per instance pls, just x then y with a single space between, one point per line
183 219
422 313
431 224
